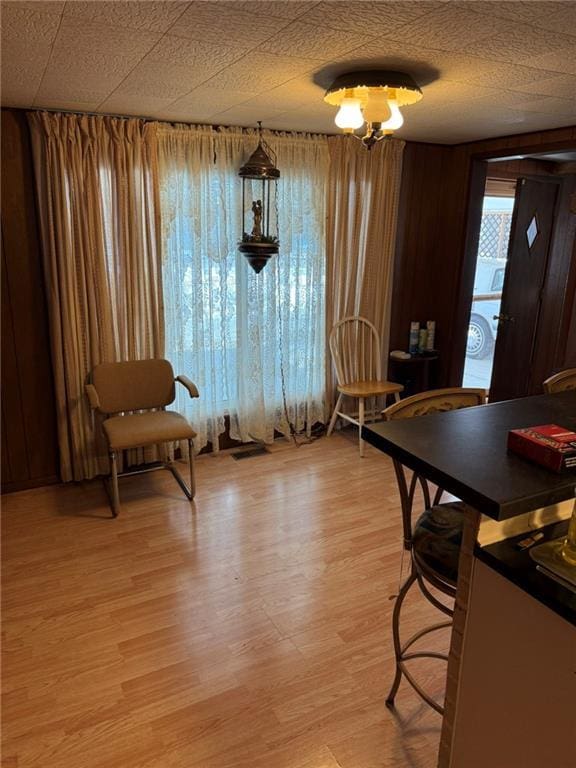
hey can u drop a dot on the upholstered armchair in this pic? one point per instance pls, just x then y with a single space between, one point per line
132 397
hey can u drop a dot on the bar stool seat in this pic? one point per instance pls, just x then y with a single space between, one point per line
437 539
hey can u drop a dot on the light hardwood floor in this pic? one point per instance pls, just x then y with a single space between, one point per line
249 630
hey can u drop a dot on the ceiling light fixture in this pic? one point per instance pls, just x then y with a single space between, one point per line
373 97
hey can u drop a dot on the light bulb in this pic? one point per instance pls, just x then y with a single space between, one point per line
396 120
377 109
349 116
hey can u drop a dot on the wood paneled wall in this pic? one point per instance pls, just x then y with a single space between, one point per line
432 279
421 218
29 445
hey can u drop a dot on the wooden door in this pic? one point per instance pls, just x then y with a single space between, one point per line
530 239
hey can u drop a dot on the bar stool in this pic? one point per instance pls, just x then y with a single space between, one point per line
433 541
560 382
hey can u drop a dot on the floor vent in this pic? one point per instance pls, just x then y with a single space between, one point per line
248 453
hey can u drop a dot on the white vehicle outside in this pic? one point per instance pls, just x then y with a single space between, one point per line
486 299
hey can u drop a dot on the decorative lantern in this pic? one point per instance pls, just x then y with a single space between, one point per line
260 236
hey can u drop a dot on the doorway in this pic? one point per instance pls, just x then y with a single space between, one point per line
497 209
527 268
520 245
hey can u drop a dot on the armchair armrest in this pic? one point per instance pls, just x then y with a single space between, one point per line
190 386
92 396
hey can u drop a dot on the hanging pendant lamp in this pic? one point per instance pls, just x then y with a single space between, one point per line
259 217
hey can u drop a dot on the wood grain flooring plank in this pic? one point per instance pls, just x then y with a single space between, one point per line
250 629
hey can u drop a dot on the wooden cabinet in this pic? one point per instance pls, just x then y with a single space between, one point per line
416 374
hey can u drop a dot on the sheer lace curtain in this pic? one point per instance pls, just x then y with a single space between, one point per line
98 208
253 343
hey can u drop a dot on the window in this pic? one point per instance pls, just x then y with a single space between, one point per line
254 344
498 280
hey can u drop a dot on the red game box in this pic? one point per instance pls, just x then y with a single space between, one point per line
549 445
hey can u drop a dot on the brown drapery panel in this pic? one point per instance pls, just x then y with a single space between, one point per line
363 194
97 192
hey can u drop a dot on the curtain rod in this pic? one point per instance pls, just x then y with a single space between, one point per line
156 120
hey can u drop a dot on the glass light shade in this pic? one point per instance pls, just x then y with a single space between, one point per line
377 110
396 120
349 115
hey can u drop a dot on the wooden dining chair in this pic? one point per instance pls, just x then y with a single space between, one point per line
560 382
433 541
133 397
356 353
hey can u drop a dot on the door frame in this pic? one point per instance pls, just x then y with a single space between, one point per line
558 281
560 256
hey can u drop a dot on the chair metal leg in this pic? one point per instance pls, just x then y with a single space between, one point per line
360 425
334 415
111 484
180 480
171 467
114 481
396 637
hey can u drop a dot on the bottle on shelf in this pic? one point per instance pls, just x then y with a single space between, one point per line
431 328
414 334
422 340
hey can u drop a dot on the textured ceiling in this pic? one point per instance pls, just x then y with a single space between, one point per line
486 68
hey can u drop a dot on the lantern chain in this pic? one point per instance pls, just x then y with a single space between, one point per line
294 434
292 428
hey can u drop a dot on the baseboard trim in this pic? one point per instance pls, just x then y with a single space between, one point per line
12 486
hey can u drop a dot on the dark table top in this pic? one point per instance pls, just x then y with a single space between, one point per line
464 452
517 566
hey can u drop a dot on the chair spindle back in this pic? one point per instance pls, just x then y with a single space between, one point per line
355 349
